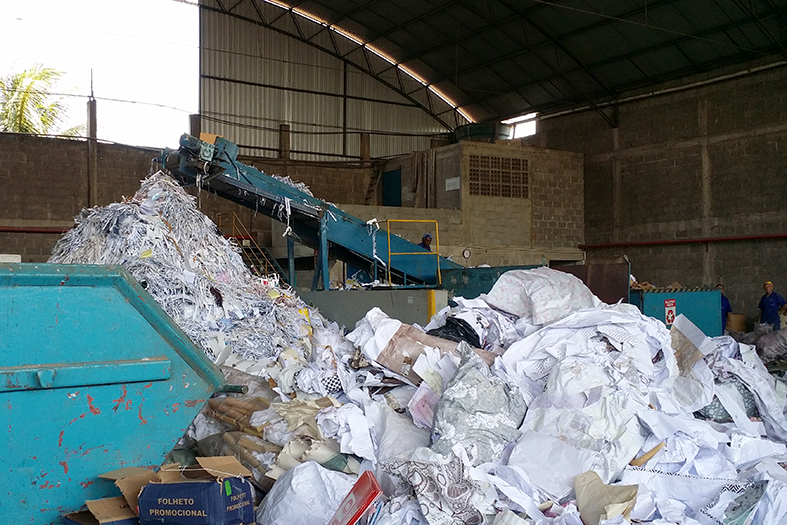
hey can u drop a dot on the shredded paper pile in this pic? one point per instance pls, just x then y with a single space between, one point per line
195 274
535 404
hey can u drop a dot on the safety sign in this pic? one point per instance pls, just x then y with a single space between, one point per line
670 311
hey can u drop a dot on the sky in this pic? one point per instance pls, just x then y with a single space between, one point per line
143 52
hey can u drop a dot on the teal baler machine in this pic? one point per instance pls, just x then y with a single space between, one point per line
94 376
701 305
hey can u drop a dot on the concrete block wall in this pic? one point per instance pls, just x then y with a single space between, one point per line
552 217
46 184
120 170
424 175
43 180
339 183
708 162
557 193
546 225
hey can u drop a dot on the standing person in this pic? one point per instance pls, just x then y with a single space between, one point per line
770 306
726 307
425 243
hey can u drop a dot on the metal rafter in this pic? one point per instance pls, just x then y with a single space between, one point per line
258 11
286 11
239 2
592 103
758 22
409 21
634 54
343 17
439 47
335 54
559 39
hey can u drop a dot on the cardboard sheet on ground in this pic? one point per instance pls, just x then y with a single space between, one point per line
597 501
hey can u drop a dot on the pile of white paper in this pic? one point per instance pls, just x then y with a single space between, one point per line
573 412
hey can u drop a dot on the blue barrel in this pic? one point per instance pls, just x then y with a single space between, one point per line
94 376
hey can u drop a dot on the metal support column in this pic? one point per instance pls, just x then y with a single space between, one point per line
92 153
326 277
317 270
291 261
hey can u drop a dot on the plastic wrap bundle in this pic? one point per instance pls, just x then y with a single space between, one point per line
195 274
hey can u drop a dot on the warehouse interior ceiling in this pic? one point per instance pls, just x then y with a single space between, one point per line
494 59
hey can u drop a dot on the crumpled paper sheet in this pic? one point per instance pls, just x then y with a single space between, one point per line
693 387
306 494
529 361
477 410
395 434
422 406
303 448
350 427
445 491
300 412
693 492
769 394
397 346
585 420
736 504
597 501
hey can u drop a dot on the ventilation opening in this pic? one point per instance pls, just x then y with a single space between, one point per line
522 126
498 177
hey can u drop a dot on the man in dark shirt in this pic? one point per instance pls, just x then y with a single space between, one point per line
770 306
426 241
726 307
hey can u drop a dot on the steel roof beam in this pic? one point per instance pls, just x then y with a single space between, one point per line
596 25
758 22
634 54
410 21
343 17
558 39
335 54
576 61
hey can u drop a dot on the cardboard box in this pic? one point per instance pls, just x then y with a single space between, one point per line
736 322
214 492
121 510
107 511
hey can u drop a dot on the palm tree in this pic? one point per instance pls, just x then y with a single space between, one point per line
27 106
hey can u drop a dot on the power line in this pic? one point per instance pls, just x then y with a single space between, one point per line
211 118
109 99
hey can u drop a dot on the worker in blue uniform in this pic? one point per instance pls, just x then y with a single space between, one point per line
770 306
426 241
726 307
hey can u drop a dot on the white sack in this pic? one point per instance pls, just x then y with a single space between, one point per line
308 494
544 294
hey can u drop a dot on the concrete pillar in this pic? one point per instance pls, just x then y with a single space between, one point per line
709 252
92 154
284 141
617 190
366 149
195 125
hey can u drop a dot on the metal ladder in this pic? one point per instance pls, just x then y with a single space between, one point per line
254 256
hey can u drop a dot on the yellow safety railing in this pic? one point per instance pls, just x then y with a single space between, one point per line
436 252
239 232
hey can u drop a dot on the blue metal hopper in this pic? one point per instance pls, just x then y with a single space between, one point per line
95 376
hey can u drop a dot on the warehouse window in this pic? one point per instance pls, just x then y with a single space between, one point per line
498 177
522 126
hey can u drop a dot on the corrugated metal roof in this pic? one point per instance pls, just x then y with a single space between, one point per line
500 58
